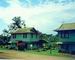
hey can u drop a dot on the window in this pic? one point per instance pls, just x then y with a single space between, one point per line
14 35
31 35
25 35
64 35
36 35
61 35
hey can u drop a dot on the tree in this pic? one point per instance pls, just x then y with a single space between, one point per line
54 43
51 40
6 35
5 32
46 37
17 23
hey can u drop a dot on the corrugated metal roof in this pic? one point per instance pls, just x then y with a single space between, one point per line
66 26
25 30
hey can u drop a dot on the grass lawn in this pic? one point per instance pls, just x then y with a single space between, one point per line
48 52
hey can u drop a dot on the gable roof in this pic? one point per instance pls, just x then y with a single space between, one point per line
66 26
25 30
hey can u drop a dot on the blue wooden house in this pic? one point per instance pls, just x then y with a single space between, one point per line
67 34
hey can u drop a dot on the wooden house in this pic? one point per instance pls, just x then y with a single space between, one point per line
30 36
67 34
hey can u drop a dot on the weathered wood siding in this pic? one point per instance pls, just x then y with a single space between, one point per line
68 42
70 38
19 37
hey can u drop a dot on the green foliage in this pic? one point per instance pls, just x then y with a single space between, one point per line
51 39
53 42
47 52
5 36
17 23
5 32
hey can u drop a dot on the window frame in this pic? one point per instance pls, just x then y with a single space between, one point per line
14 36
32 35
25 35
64 34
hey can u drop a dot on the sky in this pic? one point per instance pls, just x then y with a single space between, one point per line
44 15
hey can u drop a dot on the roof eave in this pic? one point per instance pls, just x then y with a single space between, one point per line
64 30
25 32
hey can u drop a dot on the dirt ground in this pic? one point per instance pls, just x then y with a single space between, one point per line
11 54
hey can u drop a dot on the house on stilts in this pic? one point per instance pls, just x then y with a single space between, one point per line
30 37
67 34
